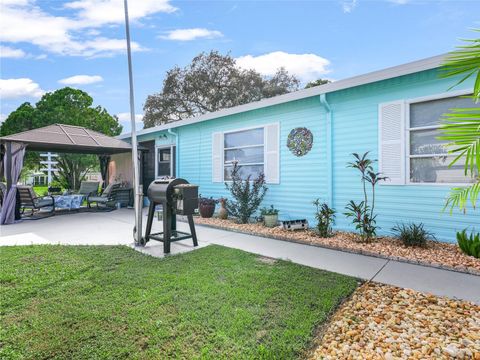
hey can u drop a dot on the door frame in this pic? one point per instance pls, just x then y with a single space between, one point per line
172 148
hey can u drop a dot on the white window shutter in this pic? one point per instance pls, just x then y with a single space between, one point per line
272 153
391 142
217 157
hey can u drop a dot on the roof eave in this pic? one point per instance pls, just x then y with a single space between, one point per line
379 75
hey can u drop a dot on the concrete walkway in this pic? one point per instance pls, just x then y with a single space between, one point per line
116 228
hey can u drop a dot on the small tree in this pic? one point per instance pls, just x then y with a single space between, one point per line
325 216
362 214
247 194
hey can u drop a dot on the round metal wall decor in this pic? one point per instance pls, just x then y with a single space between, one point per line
300 141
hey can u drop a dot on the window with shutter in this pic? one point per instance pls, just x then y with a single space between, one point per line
255 150
391 132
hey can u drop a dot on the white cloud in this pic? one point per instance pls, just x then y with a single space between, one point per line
81 80
125 118
3 117
399 2
100 12
349 5
22 87
8 52
191 34
305 66
74 35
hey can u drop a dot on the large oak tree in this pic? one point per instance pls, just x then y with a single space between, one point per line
211 82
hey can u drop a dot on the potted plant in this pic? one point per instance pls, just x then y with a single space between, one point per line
270 216
206 206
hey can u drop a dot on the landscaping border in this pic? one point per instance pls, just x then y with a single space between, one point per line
352 251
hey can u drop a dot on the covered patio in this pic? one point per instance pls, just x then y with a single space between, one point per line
55 138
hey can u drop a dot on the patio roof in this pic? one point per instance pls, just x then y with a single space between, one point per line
68 138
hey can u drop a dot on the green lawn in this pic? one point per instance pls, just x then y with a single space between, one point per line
80 302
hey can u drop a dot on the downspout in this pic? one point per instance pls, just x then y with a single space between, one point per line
177 150
329 146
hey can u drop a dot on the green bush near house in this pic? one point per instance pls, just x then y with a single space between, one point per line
325 216
104 302
413 234
469 244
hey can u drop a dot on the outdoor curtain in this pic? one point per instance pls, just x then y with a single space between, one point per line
7 215
104 160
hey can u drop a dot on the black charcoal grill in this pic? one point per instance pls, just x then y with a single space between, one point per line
176 196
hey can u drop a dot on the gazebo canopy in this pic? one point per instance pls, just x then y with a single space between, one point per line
68 138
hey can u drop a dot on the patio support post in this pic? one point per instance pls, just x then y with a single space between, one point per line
104 161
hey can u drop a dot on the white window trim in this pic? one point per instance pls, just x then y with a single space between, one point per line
241 147
166 146
263 126
408 129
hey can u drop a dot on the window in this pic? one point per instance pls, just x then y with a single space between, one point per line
165 161
245 147
427 157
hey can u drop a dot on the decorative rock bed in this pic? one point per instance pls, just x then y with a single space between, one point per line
386 322
436 254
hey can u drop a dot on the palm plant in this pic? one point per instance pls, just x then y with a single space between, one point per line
461 127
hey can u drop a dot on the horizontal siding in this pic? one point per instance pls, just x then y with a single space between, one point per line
303 179
300 179
356 130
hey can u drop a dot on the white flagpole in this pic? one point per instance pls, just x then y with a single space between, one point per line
138 193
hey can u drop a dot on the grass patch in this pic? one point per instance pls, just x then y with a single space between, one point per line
77 302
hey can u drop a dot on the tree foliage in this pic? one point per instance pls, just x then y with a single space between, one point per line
461 127
317 82
64 106
211 82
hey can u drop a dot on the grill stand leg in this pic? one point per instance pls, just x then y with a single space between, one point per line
151 212
167 223
192 229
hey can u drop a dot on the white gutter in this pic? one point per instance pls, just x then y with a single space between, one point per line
329 146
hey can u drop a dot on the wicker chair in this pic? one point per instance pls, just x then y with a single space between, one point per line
107 199
29 200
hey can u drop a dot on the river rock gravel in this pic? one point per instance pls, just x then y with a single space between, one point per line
386 322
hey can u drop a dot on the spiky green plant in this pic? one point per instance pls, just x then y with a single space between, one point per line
469 244
461 127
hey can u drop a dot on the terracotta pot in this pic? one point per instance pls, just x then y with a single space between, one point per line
270 220
222 213
206 211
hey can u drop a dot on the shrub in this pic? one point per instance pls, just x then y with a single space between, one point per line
269 211
412 234
470 245
362 214
247 194
325 216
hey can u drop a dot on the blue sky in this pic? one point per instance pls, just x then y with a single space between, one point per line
46 45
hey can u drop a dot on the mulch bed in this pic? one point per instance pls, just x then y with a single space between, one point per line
387 322
437 254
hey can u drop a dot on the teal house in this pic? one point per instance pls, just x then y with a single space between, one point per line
392 113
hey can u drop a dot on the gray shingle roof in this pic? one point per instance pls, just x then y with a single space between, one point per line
69 138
